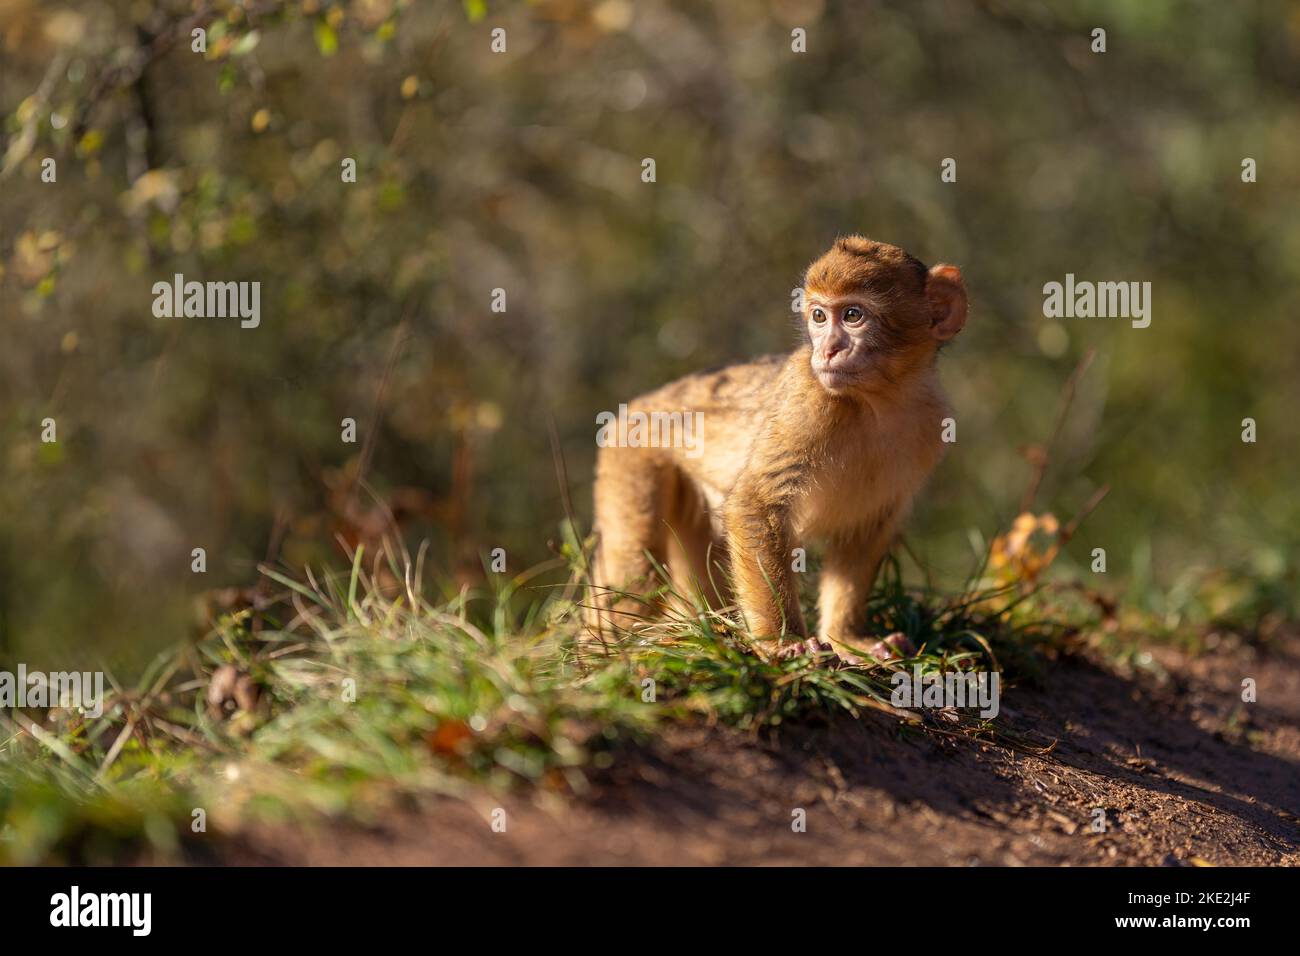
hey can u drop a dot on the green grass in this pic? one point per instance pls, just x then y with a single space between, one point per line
358 690
362 690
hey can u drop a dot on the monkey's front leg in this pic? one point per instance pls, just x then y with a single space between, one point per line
849 569
758 539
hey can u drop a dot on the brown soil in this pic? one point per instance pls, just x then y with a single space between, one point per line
1184 770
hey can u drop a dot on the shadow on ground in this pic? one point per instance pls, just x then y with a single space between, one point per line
1177 768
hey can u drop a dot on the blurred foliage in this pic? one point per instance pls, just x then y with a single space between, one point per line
521 170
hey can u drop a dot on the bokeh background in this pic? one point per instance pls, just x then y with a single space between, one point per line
522 171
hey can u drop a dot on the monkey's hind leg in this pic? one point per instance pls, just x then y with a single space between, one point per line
632 495
697 555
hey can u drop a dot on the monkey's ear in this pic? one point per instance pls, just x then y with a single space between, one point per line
946 295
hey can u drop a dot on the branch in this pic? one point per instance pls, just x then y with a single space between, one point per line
22 144
117 77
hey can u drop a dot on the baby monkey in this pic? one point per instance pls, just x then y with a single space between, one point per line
831 442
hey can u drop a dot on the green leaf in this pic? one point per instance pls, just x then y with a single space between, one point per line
247 43
327 41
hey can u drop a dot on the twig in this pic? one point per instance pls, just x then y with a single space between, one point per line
1041 454
1088 508
22 144
368 449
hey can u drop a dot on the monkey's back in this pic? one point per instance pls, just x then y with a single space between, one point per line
726 389
730 400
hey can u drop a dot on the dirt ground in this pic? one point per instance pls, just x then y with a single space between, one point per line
1186 773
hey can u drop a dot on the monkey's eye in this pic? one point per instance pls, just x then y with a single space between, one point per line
853 315
818 316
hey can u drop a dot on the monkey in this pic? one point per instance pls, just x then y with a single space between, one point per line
831 442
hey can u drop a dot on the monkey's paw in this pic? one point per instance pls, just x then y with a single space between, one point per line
890 648
811 647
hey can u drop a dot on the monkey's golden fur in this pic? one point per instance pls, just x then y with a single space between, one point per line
831 442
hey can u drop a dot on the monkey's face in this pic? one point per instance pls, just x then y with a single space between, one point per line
873 313
845 335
